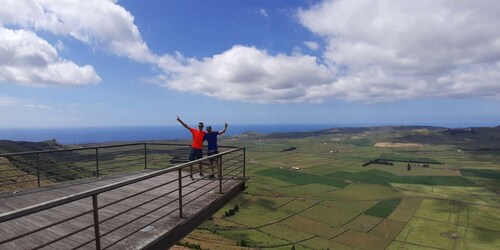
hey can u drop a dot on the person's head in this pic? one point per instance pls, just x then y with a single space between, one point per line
200 125
209 129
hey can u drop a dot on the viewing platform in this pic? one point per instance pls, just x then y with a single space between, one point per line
128 196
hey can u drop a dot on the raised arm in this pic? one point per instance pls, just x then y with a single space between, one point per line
224 130
183 124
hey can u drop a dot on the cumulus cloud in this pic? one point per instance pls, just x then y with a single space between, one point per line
27 59
376 51
249 74
97 23
392 49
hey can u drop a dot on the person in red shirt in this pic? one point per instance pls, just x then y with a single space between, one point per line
196 151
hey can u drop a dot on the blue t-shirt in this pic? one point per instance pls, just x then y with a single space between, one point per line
212 140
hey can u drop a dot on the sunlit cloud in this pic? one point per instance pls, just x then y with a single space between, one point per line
375 51
393 49
251 75
29 59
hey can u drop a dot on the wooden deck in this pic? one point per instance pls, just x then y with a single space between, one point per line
160 228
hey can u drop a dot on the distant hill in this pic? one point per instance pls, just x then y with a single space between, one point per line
7 146
352 130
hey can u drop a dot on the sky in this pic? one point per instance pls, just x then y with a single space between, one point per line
73 63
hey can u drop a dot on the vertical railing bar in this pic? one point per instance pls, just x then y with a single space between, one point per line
145 156
180 193
38 169
97 161
244 162
96 222
220 174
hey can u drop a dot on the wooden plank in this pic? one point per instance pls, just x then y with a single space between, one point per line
43 218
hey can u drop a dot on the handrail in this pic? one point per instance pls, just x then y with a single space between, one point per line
103 146
74 197
235 157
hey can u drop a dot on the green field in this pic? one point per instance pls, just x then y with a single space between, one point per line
319 196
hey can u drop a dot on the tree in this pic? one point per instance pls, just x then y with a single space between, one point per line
242 243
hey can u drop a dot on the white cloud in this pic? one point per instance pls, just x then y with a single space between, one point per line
263 12
312 45
37 106
98 23
376 51
393 49
8 101
252 75
60 46
13 101
27 59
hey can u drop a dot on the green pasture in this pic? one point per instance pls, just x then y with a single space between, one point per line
362 240
405 209
300 178
483 173
364 191
400 169
258 212
383 208
310 191
333 202
362 223
320 243
376 176
476 195
282 231
336 214
399 245
448 223
387 228
313 227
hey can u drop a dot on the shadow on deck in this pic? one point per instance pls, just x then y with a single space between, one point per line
150 209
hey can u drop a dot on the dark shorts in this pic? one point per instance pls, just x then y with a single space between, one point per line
195 154
212 152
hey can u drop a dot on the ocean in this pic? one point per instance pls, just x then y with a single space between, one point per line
139 133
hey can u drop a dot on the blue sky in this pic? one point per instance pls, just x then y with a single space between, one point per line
132 63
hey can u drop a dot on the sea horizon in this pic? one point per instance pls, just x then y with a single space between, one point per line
100 134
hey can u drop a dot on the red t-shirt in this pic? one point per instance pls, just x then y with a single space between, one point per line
197 138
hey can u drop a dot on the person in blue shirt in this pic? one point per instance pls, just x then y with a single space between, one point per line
211 137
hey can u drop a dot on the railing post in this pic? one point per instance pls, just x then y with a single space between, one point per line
180 193
38 169
145 156
96 222
97 161
220 174
244 162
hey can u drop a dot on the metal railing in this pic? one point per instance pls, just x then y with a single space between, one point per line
39 168
109 215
